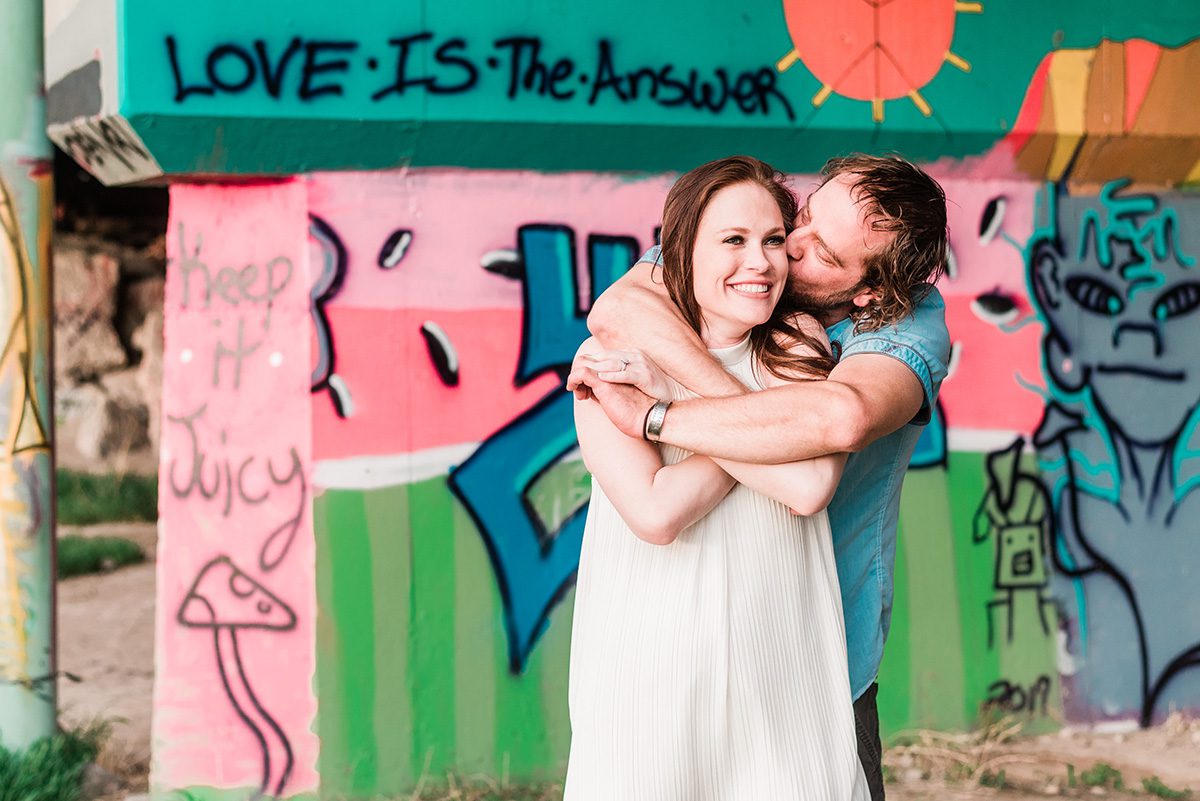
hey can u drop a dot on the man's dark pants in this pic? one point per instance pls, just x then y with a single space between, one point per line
870 751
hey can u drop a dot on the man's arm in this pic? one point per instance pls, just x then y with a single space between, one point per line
867 396
636 312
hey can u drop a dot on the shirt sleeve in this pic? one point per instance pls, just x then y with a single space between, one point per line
921 342
651 256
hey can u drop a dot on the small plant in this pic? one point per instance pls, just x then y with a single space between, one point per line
51 769
1072 780
78 556
1154 786
1104 775
997 780
84 499
889 774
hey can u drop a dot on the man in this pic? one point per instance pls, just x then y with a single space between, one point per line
868 245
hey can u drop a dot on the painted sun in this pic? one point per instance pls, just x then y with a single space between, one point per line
874 50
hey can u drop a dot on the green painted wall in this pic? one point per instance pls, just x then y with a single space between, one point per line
275 87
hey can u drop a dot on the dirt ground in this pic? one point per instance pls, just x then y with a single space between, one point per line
106 638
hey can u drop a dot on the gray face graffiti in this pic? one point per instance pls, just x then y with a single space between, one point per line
1120 290
1116 282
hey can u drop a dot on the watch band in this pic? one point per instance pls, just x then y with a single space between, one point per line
655 417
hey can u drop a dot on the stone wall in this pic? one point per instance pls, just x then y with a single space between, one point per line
108 299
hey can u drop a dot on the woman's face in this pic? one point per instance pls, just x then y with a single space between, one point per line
739 262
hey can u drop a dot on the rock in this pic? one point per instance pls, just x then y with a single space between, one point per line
97 782
123 387
149 340
137 300
86 344
108 426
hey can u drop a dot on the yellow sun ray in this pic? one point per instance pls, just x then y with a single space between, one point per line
787 61
968 8
820 97
920 103
877 109
958 61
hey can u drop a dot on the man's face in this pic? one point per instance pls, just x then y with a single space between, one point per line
828 249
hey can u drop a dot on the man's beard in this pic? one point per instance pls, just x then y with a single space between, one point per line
823 303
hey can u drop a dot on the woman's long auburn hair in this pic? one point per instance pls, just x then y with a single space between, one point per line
685 205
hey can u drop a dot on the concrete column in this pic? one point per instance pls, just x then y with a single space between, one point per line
27 647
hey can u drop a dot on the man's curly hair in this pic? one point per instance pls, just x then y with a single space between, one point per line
896 196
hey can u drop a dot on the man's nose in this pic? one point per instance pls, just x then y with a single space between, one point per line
795 243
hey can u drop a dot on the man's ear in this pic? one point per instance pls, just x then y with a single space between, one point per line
865 298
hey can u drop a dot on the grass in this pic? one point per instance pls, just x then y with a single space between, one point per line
1103 775
976 757
79 556
84 498
482 788
50 769
1154 786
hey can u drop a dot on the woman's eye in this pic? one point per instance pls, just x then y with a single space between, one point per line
1095 296
733 240
1177 300
775 240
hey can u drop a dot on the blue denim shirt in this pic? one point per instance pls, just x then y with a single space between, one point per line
866 507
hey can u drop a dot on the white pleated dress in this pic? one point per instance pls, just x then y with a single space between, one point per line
713 668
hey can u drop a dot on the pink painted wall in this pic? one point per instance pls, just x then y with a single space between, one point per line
236 453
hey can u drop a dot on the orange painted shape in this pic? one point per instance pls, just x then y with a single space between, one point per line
1032 107
1141 62
867 52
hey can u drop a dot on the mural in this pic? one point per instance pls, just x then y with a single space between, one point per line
236 613
371 494
26 517
27 677
1114 279
868 51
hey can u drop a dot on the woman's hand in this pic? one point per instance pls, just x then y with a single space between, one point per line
622 367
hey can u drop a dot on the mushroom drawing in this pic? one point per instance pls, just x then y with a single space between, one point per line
226 600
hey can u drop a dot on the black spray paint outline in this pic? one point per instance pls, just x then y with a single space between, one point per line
229 661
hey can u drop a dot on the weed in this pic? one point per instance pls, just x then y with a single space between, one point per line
1103 774
997 780
52 768
78 556
1155 787
1072 780
482 788
84 499
889 774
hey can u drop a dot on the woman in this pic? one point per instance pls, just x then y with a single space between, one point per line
708 658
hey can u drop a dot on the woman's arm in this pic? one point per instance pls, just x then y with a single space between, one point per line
657 501
636 312
806 486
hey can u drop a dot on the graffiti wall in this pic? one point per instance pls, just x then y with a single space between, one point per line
27 679
372 500
236 616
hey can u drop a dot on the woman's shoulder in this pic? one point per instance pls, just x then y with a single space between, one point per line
805 323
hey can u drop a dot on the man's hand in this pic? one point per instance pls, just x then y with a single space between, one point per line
625 405
620 367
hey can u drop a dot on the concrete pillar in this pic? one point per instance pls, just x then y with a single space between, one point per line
27 648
